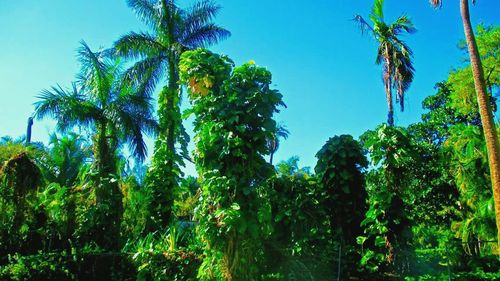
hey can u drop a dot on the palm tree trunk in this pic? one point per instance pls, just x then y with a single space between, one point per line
390 113
172 104
388 88
28 130
489 129
107 193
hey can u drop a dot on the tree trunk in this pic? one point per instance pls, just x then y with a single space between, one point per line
388 88
106 230
28 130
483 101
172 103
390 113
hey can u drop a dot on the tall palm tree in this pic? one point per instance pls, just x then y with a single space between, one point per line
483 100
118 111
393 54
157 53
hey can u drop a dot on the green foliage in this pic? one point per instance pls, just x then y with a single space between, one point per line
165 170
66 156
464 96
299 247
37 268
163 256
20 178
340 170
230 145
387 227
106 100
186 198
59 205
135 208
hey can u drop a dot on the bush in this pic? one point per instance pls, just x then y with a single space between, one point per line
42 267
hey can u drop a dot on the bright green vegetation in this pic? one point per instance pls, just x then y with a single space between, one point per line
399 203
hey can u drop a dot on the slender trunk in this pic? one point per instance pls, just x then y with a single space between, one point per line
390 113
489 129
339 262
274 147
388 88
28 130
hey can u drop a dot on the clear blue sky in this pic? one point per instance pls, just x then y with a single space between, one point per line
322 65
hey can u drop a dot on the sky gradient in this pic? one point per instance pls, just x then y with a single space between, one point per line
320 62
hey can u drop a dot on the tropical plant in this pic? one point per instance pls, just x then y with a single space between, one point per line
484 104
66 156
393 54
300 247
119 112
230 150
340 169
174 30
387 239
20 178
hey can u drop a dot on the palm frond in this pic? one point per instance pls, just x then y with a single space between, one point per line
282 131
146 74
94 71
133 123
377 11
205 35
403 23
201 13
68 108
146 11
137 46
364 26
403 72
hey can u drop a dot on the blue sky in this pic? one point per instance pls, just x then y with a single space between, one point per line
320 62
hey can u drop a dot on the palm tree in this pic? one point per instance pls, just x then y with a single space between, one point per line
273 143
157 54
118 111
394 55
490 132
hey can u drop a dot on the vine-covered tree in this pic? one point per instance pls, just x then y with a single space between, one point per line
387 239
174 30
230 150
340 170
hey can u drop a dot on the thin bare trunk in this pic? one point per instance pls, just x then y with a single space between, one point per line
489 129
28 130
388 89
390 114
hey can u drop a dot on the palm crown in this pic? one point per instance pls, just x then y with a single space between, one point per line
174 30
101 100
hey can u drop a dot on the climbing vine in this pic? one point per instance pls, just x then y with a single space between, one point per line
234 110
